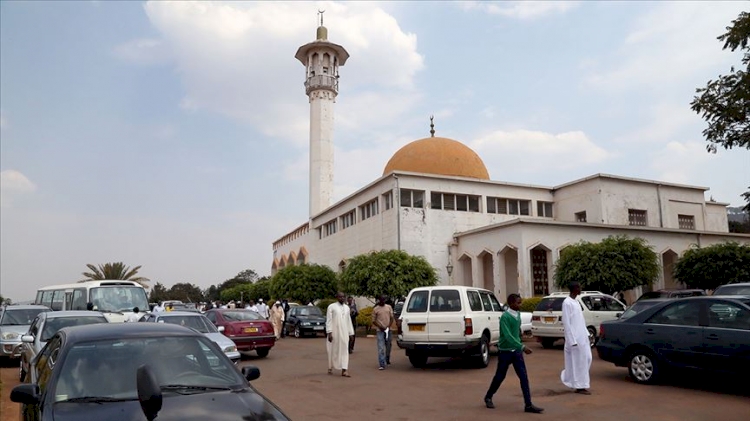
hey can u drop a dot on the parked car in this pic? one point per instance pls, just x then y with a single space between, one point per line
248 329
447 321
546 322
201 324
123 371
14 322
707 333
733 289
305 320
672 293
45 325
642 305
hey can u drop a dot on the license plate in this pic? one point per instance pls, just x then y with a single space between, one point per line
250 329
550 319
318 328
416 328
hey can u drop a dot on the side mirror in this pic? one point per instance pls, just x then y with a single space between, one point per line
29 339
251 372
220 329
27 394
149 392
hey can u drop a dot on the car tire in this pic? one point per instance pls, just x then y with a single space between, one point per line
592 336
263 352
548 343
643 367
483 360
297 332
418 360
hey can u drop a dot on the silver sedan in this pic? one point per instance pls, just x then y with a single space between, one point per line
200 323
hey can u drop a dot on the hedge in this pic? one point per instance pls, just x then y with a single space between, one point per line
324 303
529 304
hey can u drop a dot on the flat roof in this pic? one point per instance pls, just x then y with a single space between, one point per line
631 179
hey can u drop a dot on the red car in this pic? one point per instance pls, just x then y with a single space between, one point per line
248 329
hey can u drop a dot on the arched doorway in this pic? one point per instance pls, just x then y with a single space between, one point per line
668 260
466 276
510 270
540 270
488 275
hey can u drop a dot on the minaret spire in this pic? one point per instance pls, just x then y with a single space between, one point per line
432 126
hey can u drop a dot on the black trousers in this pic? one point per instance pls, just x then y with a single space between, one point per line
354 338
504 360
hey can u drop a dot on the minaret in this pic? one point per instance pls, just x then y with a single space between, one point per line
322 60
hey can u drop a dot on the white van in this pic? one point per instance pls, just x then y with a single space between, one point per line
448 321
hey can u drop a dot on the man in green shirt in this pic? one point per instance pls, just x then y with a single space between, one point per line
511 353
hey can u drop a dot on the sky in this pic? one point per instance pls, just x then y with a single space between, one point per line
174 135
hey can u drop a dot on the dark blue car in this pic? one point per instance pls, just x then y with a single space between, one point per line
137 371
706 333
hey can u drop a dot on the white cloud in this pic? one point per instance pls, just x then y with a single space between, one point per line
144 51
690 155
13 183
528 152
674 44
523 10
665 121
238 59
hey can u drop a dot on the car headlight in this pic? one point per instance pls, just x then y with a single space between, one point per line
9 336
229 349
305 323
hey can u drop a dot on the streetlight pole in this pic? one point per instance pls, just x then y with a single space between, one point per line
449 268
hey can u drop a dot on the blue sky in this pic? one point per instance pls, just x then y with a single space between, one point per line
173 135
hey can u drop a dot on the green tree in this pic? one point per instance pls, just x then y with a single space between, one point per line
617 263
116 270
304 283
185 292
725 102
715 265
158 293
239 292
262 289
392 273
247 275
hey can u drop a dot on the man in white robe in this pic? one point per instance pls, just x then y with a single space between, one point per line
339 330
575 375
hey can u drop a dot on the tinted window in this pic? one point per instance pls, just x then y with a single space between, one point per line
57 300
638 307
726 315
486 301
20 317
611 304
680 314
475 303
595 303
418 302
211 316
550 304
733 290
79 299
445 300
194 322
495 303
236 316
55 324
654 294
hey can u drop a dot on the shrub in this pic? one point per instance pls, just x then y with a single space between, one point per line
364 318
324 303
529 304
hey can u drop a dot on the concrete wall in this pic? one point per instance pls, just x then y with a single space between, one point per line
716 217
585 196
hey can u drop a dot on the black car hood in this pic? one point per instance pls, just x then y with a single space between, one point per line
312 318
214 406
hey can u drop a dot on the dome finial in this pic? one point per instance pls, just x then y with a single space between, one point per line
432 126
322 32
320 14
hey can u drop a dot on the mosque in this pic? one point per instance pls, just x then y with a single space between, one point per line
436 199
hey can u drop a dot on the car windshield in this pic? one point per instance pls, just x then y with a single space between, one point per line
654 294
241 316
118 298
52 325
106 370
20 317
196 322
638 307
733 290
309 311
550 304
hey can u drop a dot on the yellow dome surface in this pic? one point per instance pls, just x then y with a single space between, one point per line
438 155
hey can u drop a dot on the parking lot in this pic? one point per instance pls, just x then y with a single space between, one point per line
294 377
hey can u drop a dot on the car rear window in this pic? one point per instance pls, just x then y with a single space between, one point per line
234 316
550 304
733 290
418 302
638 307
445 300
654 294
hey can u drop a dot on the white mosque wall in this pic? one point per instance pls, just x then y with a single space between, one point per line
716 217
584 196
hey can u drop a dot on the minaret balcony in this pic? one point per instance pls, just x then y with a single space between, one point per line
325 82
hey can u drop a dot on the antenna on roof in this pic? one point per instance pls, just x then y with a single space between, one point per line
432 126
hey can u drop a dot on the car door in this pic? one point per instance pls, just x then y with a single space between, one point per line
612 308
293 318
596 311
414 316
727 336
476 308
675 333
493 318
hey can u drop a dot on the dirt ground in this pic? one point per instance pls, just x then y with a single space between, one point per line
294 377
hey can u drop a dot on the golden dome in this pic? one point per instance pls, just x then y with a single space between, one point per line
438 155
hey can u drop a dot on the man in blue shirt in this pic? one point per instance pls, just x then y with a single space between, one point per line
511 353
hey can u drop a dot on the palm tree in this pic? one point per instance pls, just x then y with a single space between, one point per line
116 270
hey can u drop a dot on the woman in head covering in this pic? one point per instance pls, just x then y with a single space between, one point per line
277 318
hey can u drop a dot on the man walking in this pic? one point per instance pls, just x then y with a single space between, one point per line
353 314
382 318
575 375
339 330
511 353
262 308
